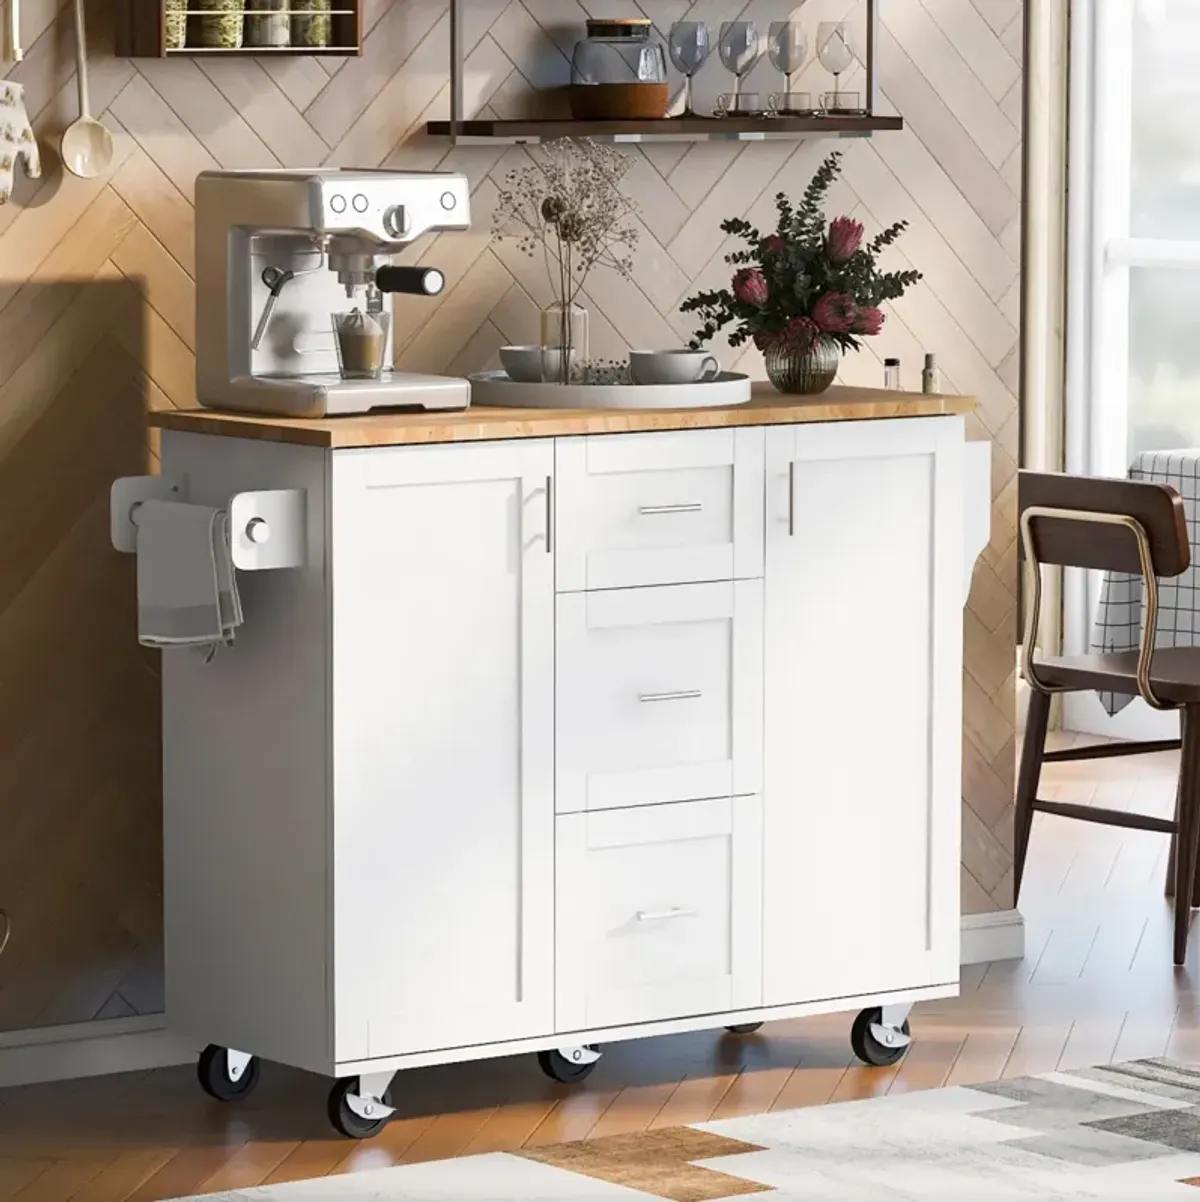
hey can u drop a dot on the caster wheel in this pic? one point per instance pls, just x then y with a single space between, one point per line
743 1028
226 1079
348 1120
869 1049
576 1064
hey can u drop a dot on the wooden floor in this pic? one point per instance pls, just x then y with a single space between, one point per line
1096 985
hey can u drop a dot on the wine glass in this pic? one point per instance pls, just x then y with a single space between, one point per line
834 51
690 47
787 44
741 48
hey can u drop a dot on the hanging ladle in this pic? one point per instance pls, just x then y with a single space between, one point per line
87 147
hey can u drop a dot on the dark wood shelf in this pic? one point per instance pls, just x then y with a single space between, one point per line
679 128
141 32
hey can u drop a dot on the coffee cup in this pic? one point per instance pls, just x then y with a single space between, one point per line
731 104
672 367
790 104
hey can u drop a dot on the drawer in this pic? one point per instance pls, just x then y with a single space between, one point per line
658 694
640 509
658 913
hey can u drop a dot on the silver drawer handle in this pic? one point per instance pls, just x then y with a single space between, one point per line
661 915
690 507
678 695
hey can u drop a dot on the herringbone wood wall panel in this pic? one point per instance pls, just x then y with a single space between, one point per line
96 325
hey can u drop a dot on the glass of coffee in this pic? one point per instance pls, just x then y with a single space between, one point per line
361 340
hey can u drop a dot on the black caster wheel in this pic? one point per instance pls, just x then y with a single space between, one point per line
346 1119
562 1068
219 1081
867 1048
743 1028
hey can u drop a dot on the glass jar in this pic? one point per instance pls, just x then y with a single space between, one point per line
175 17
313 26
268 23
619 51
222 30
564 342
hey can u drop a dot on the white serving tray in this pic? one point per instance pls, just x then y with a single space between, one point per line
495 388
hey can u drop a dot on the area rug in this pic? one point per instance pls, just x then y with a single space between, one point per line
1128 1131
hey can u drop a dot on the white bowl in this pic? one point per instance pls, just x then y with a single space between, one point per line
523 363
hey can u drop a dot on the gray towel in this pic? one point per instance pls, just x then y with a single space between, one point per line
187 588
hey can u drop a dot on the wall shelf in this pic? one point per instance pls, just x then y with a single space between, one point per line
142 32
672 129
463 131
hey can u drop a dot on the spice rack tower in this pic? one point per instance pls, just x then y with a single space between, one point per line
151 29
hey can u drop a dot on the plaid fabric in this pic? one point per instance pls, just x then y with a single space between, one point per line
1119 618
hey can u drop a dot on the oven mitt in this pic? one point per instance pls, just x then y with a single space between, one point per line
16 139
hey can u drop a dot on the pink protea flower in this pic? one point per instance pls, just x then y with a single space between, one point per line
801 335
765 339
772 244
869 320
844 238
750 286
835 313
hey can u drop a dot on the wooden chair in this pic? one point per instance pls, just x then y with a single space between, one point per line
1115 526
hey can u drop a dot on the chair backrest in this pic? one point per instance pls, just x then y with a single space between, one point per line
1080 543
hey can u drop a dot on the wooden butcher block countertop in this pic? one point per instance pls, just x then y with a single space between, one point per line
766 408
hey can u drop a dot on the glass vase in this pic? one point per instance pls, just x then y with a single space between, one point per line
802 374
564 342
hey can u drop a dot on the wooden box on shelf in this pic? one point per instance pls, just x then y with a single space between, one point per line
142 29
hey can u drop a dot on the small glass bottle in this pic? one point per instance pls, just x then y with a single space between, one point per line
931 377
891 375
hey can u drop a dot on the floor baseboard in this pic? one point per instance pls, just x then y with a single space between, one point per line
95 1049
123 1045
995 935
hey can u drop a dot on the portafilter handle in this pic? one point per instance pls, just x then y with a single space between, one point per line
416 281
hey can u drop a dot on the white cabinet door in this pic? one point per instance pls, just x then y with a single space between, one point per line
659 695
863 702
659 912
669 508
443 716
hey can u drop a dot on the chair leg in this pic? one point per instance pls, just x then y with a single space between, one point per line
1185 842
1032 750
1169 883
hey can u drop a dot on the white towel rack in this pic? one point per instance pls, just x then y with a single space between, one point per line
267 528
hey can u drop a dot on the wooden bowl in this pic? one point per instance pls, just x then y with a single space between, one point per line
619 101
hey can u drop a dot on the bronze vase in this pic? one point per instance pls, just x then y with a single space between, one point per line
803 374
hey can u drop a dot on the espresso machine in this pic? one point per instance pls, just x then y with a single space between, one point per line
281 254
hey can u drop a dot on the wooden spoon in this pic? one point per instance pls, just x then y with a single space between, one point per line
14 31
87 147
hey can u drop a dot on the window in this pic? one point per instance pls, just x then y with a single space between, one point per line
1133 378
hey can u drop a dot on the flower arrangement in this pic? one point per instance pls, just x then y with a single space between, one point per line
809 287
569 205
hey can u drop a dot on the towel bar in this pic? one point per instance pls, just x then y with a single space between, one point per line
267 528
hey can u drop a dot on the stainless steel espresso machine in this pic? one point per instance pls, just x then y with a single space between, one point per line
287 259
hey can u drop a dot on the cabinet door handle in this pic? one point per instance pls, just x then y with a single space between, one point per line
549 514
791 498
689 507
677 695
663 915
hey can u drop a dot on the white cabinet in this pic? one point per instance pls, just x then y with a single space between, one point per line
659 912
443 741
659 694
863 632
637 509
551 742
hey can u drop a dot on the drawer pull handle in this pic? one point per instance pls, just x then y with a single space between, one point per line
663 915
678 695
549 515
791 498
689 507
